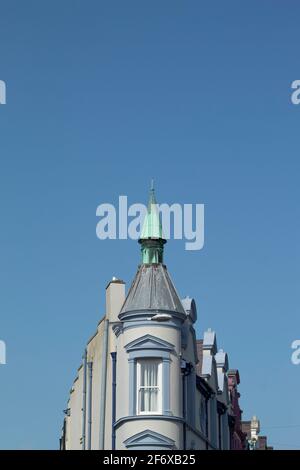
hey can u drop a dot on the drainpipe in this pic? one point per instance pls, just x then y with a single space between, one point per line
84 399
90 371
184 409
186 369
114 386
103 386
206 422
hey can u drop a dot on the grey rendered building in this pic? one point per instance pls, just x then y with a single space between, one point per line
141 384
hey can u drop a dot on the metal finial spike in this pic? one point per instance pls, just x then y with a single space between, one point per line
152 184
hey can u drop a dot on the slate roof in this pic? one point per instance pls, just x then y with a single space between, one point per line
152 289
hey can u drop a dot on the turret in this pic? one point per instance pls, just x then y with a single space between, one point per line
149 408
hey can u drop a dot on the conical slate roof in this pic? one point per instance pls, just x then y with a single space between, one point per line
152 289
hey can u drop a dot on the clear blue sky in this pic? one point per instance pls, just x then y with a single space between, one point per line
101 96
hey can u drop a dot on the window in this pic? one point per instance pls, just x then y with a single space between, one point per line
203 415
220 430
149 360
149 393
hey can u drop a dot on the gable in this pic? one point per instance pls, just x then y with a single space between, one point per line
150 439
149 342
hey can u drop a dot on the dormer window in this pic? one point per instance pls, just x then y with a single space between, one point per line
149 386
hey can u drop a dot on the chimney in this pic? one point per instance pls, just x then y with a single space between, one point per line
115 297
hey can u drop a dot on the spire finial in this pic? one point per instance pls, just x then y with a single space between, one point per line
151 239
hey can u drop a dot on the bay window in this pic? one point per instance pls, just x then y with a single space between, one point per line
149 360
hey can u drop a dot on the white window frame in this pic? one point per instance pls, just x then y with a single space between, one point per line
159 386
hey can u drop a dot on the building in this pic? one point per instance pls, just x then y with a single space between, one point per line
145 382
252 430
238 438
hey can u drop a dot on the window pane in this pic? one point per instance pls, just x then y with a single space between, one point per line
149 373
148 399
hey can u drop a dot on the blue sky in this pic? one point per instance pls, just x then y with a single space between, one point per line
102 96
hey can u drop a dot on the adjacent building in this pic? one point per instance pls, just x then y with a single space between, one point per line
252 430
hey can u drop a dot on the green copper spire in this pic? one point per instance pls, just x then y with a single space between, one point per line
152 226
152 240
